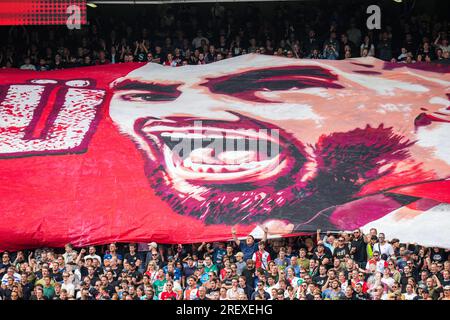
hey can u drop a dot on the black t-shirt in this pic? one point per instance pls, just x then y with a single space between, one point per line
57 276
248 291
309 296
4 266
135 274
116 272
84 271
27 290
341 252
111 288
439 256
188 271
310 253
227 281
321 258
5 293
266 295
231 258
249 276
360 254
320 280
209 291
132 258
93 280
361 296
404 281
141 56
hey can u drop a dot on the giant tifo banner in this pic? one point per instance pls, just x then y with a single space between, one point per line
143 152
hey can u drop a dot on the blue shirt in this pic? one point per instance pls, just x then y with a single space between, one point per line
204 278
218 255
247 250
108 256
282 263
330 294
176 273
296 270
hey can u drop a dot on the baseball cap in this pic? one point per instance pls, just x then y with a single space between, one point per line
239 254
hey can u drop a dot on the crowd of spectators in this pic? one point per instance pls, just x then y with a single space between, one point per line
323 266
179 35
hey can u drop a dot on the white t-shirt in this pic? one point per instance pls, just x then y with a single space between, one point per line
388 281
384 248
17 278
27 67
70 288
409 296
93 256
233 294
197 42
444 48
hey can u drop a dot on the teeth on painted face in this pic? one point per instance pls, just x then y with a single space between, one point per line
202 155
237 157
250 165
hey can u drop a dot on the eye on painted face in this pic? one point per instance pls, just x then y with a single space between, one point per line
241 142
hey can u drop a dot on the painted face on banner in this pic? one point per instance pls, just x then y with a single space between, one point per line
261 138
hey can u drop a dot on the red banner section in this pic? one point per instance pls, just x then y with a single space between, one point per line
43 12
143 152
